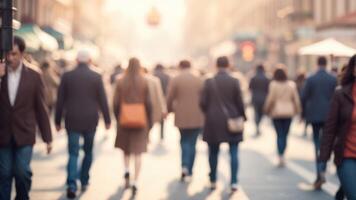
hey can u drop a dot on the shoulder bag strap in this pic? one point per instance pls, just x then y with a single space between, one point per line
222 106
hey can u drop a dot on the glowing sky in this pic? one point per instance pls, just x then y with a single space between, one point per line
159 44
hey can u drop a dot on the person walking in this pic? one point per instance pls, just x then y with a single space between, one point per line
133 110
316 96
221 100
339 133
259 88
300 82
51 81
282 104
81 95
183 99
22 109
157 98
164 80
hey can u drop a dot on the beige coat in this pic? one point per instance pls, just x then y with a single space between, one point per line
183 99
158 101
282 100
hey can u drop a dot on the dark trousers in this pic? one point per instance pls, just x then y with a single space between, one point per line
347 175
317 132
15 163
258 116
73 150
188 142
213 161
282 128
162 129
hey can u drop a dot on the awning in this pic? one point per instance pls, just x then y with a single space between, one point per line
64 41
36 39
328 47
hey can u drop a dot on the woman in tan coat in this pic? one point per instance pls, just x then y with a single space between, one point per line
132 89
282 105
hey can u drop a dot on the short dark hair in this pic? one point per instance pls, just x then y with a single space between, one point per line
18 41
222 62
322 62
260 68
280 74
184 64
159 67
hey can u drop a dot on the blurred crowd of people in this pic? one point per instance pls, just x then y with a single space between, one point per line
211 105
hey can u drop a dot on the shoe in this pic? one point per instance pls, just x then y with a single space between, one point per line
212 186
71 194
281 163
84 188
234 188
319 182
127 180
134 190
184 174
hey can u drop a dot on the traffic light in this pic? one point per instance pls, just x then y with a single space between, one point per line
248 51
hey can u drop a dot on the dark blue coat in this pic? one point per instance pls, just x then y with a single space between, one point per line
259 88
316 96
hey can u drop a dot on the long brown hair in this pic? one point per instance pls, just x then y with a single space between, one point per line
133 81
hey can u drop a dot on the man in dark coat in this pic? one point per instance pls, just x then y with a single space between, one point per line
259 88
81 95
316 98
22 109
220 90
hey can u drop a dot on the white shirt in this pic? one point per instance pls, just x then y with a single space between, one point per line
13 81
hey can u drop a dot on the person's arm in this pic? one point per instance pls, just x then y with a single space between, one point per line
306 91
161 99
116 100
60 102
296 99
330 129
42 112
239 100
103 103
269 100
204 97
171 95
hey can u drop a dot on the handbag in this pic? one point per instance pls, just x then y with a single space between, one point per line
132 115
235 125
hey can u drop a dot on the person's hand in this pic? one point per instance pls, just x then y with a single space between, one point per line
2 69
49 148
58 128
107 126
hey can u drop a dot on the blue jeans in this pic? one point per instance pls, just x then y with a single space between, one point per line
347 175
15 163
188 141
317 131
73 150
282 128
213 161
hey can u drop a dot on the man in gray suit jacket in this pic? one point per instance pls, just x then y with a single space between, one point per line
81 95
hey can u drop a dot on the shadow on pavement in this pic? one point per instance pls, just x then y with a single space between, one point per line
118 195
178 190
